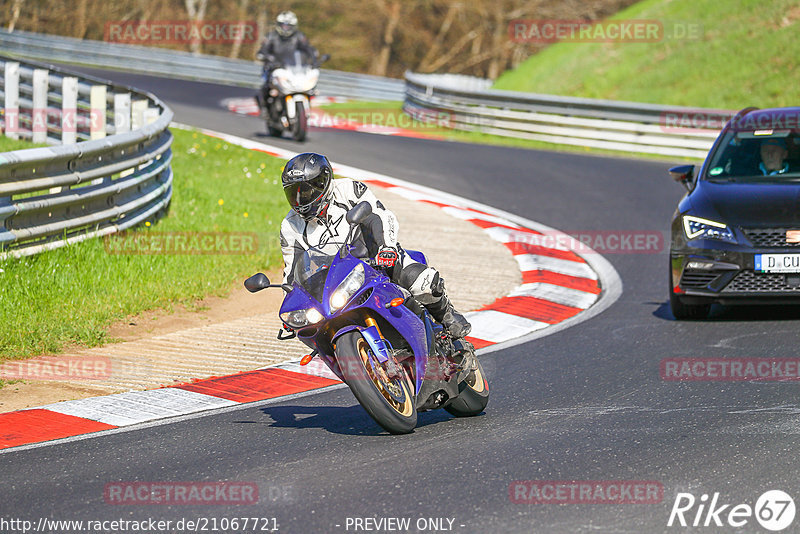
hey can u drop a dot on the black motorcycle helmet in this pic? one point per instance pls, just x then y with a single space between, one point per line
307 182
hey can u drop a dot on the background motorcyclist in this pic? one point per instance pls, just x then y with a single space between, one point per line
317 219
278 48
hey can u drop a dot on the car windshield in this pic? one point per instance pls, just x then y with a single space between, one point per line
311 270
756 156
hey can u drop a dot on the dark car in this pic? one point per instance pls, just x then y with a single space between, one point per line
736 233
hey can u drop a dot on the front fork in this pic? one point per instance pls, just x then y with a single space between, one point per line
291 101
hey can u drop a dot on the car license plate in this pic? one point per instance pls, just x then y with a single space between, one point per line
777 263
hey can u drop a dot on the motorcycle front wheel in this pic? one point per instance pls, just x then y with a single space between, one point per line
388 401
300 125
473 395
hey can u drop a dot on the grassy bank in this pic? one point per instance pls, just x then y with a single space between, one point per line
738 53
71 295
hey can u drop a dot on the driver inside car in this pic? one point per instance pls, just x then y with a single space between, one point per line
773 156
317 219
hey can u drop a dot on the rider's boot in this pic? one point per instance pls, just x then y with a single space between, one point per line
455 324
444 312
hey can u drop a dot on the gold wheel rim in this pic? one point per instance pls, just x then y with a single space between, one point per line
383 384
476 381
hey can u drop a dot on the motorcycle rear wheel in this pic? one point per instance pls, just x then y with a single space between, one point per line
473 395
389 402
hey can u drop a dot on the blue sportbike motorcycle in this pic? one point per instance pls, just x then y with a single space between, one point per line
375 337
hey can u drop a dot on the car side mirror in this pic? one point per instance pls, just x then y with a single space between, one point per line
257 282
682 174
358 213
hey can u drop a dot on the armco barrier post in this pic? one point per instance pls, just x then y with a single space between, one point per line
97 114
39 115
11 104
138 107
69 110
151 115
122 120
122 113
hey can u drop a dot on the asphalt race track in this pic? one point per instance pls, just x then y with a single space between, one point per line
586 403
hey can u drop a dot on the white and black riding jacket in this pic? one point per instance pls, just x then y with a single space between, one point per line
329 232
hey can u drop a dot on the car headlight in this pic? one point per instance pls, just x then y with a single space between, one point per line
697 227
345 290
301 318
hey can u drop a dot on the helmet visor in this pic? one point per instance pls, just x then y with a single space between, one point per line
301 194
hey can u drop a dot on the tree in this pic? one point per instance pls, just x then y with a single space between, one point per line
196 9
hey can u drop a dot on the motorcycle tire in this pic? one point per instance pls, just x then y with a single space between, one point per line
389 402
473 395
300 123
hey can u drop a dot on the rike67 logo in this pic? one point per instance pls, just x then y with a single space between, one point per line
774 510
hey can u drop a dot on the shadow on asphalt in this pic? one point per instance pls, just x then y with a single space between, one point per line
349 420
751 313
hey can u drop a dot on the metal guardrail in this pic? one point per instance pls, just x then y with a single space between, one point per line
177 64
118 176
465 104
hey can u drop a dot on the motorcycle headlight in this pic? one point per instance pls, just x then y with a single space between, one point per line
697 227
301 318
348 287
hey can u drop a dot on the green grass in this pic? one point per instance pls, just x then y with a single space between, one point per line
748 53
71 295
7 144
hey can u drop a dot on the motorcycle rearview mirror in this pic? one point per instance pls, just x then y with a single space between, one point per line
259 281
323 58
358 213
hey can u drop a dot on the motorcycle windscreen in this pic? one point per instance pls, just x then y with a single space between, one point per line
311 270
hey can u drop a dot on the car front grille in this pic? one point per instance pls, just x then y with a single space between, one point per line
751 282
694 279
769 237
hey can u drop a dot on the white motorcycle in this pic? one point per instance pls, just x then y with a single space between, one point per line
287 97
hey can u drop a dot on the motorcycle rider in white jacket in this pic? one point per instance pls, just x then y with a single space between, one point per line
317 219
